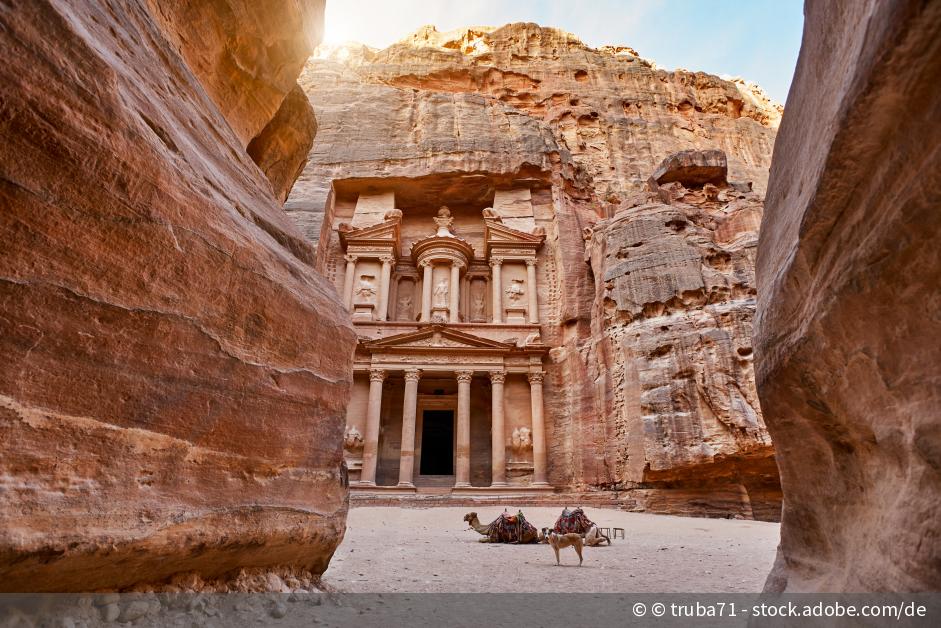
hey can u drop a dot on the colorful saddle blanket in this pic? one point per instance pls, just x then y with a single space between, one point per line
510 529
572 521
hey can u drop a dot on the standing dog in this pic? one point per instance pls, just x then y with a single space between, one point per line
561 541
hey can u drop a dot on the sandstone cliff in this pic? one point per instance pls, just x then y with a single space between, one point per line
650 381
849 316
165 402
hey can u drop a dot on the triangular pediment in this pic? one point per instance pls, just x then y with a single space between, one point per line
438 337
499 233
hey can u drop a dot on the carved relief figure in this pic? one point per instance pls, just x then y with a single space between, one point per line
441 293
404 312
352 440
515 291
366 290
521 441
477 307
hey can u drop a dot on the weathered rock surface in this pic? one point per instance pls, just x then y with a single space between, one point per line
650 385
670 352
849 310
166 403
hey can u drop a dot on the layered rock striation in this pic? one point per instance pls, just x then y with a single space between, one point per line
650 386
166 402
848 304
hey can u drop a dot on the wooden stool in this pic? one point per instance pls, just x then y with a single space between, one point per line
616 530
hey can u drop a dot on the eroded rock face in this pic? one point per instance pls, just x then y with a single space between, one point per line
650 387
166 404
848 311
670 351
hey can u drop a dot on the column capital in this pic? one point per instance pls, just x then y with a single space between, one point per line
497 377
350 257
426 263
536 377
377 375
387 259
464 377
531 262
495 261
412 375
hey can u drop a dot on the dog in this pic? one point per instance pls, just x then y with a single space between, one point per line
561 541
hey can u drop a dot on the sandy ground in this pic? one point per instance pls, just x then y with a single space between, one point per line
413 550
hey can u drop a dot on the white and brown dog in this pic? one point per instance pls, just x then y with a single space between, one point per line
561 541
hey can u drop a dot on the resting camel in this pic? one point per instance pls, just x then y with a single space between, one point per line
497 533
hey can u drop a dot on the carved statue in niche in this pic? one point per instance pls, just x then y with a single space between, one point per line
477 307
441 293
514 291
521 441
404 311
366 290
352 440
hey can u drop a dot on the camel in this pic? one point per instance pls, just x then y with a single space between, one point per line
504 529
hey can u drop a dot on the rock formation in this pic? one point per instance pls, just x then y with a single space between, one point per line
650 387
849 313
166 405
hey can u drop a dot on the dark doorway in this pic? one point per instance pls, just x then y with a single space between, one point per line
437 442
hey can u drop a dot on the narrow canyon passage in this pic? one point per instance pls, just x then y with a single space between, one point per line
430 550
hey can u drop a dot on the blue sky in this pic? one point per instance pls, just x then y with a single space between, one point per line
755 39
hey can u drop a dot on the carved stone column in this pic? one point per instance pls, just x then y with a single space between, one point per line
371 444
454 290
462 455
496 280
539 429
497 430
531 288
426 291
384 281
409 409
348 281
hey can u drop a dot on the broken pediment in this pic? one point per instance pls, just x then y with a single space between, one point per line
501 237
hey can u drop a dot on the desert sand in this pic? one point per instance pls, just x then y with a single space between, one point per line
414 550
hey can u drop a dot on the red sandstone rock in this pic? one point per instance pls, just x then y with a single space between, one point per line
174 371
649 384
849 316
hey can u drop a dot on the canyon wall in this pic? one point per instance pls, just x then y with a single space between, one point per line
166 408
849 310
650 389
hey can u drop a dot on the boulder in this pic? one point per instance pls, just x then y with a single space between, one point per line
693 168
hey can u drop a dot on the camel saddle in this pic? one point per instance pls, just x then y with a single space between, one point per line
572 521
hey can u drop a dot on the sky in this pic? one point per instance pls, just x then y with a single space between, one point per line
757 40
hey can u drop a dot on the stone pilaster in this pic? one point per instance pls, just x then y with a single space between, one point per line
497 431
427 278
532 291
539 429
384 281
348 281
371 443
409 410
462 455
454 292
496 280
